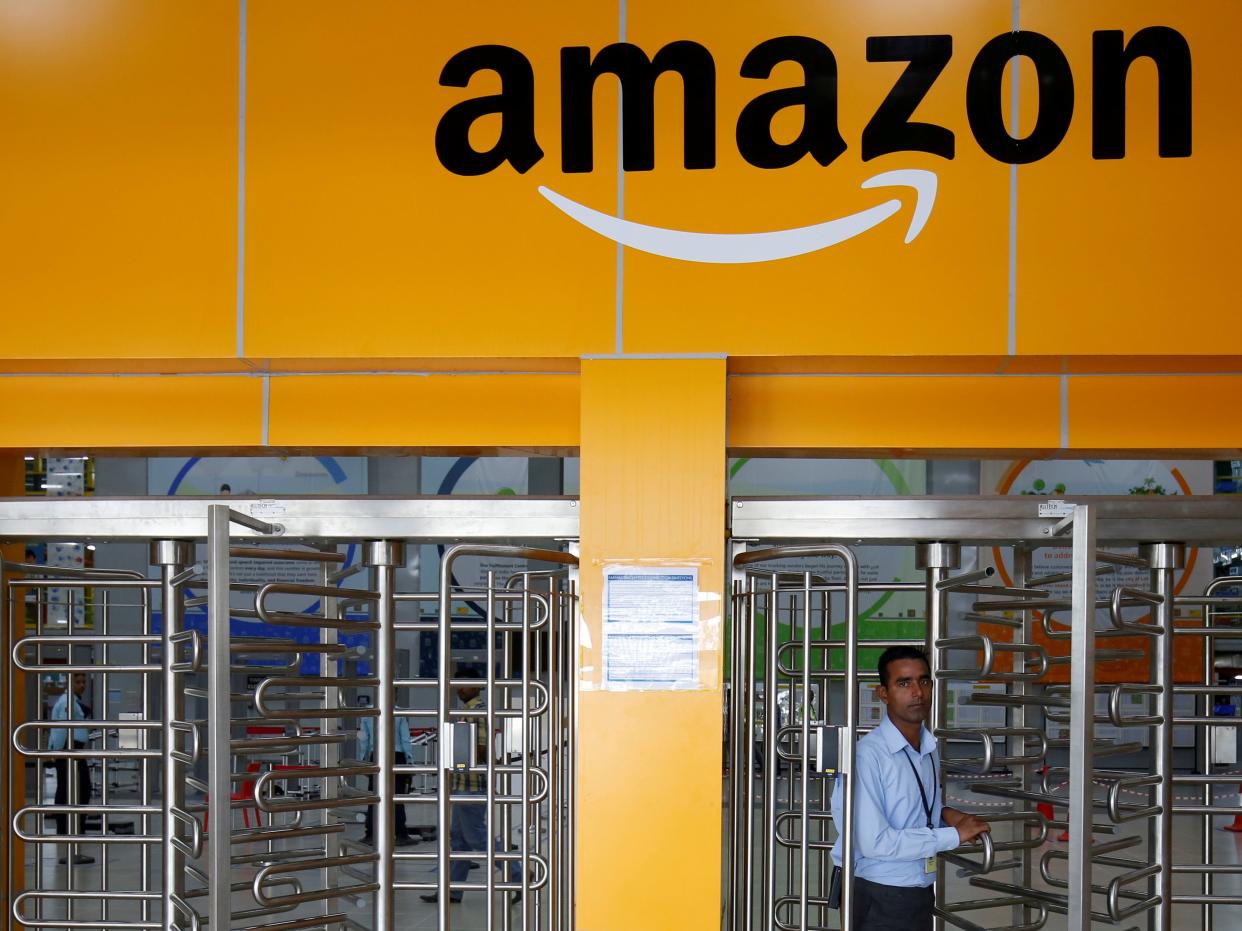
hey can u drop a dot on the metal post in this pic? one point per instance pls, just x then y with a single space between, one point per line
1206 918
804 746
489 694
384 556
219 716
851 733
1082 718
331 752
1164 559
748 764
743 724
10 768
770 760
171 556
444 728
937 559
742 768
1017 718
556 722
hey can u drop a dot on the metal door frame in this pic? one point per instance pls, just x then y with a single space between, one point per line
172 523
1157 524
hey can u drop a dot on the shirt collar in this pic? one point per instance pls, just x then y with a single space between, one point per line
895 742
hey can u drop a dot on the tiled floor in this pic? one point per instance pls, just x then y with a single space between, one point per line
124 873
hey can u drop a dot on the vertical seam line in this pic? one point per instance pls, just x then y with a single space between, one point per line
1065 412
267 406
1013 195
241 182
619 335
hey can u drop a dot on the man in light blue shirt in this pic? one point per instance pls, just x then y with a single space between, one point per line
404 754
71 706
900 821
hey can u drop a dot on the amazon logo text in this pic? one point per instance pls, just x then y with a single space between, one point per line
890 129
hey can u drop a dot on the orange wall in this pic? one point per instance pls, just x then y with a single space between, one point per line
168 197
772 414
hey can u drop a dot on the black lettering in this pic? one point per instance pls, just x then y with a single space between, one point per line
817 97
515 103
637 76
1111 60
984 97
890 129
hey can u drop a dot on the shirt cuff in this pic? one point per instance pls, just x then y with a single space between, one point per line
947 839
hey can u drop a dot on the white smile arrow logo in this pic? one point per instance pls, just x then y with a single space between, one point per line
736 248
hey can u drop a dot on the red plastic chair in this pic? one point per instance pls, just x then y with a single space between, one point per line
244 791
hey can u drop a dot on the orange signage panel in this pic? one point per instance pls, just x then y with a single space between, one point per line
802 178
118 170
360 241
1127 232
815 102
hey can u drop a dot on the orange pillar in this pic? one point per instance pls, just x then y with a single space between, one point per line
649 761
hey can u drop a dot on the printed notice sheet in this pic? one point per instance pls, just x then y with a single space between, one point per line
651 627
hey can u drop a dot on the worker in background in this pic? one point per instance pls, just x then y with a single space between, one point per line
900 823
404 753
469 828
71 706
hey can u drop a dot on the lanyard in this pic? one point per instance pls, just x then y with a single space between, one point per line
927 809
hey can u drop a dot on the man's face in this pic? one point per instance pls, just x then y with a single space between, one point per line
79 683
467 692
908 693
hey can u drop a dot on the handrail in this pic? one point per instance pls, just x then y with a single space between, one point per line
1136 595
1036 656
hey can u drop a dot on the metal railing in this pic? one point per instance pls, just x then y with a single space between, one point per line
1110 794
239 759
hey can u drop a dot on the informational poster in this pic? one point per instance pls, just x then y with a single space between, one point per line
1134 706
1075 477
961 712
882 614
871 710
479 475
66 478
257 475
651 637
272 477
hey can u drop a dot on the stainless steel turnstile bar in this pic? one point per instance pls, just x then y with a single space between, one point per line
938 559
1126 885
200 773
172 557
801 850
219 719
1164 559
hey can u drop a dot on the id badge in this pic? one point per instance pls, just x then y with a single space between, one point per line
929 865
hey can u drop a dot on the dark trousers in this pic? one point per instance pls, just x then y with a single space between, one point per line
62 790
402 787
892 908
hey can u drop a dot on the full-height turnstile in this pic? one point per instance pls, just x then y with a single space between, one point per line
224 800
794 695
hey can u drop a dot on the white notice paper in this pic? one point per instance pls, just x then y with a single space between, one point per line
651 627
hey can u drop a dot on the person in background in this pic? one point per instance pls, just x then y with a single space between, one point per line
900 821
71 706
469 825
403 754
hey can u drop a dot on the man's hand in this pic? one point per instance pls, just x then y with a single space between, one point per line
969 827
